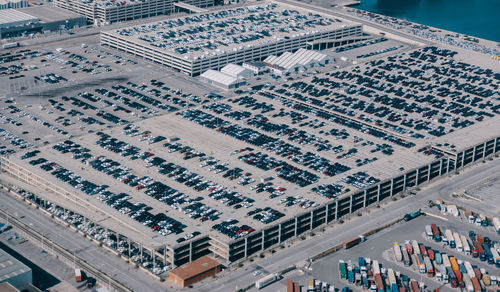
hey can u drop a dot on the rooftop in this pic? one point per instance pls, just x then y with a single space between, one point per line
9 16
194 268
10 267
49 13
219 32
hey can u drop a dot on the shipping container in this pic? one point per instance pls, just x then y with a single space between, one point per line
414 286
438 257
449 238
446 260
78 275
470 270
436 233
458 242
376 268
496 224
10 45
409 248
465 244
430 254
350 243
423 250
486 280
342 269
416 248
379 283
429 267
406 258
496 257
428 232
475 283
468 283
397 252
420 263
289 286
261 283
453 210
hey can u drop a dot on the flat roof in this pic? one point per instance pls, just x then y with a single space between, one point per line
10 267
195 268
219 77
225 31
50 13
14 16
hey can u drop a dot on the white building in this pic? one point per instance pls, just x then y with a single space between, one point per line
302 59
256 67
236 71
219 79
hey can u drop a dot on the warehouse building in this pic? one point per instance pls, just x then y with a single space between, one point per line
236 71
256 67
246 34
293 62
13 4
194 271
221 80
15 22
101 12
13 271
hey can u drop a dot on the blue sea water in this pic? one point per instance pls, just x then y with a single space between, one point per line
479 18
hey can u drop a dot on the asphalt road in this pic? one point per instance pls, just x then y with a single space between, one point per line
442 188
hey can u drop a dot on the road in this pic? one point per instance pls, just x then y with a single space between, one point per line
105 261
442 188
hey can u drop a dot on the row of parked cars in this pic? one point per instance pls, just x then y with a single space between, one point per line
99 233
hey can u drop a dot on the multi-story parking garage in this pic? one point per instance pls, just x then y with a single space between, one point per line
106 12
233 35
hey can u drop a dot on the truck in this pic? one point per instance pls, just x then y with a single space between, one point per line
453 278
496 224
475 283
446 260
423 250
458 242
483 220
429 267
379 283
470 217
496 257
361 261
343 270
397 252
406 258
263 282
10 45
310 284
449 238
470 270
289 285
420 263
438 257
414 286
428 232
412 215
468 283
453 210
457 272
486 280
78 275
431 254
465 244
376 268
488 254
444 273
480 251
350 243
436 233
416 248
392 280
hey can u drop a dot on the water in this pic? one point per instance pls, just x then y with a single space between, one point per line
480 18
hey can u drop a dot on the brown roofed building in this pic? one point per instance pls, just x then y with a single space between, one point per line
194 271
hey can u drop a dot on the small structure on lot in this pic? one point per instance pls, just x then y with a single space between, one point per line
194 271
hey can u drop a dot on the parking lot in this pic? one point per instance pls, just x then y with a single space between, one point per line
379 247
